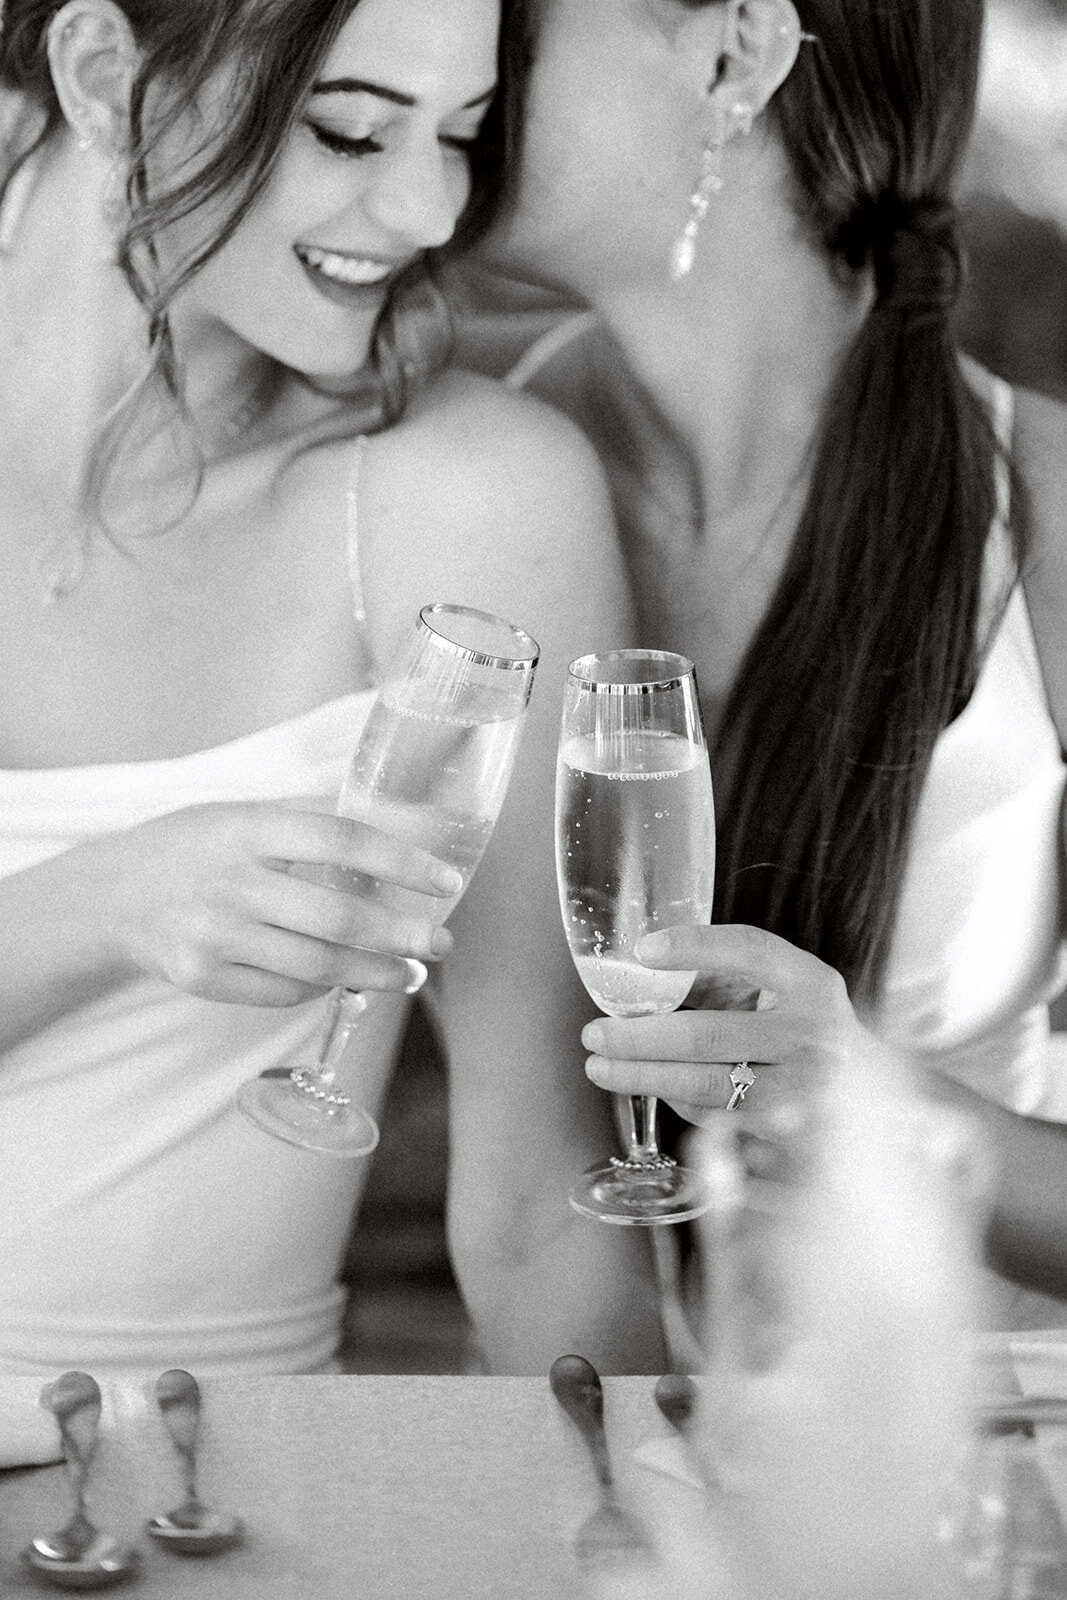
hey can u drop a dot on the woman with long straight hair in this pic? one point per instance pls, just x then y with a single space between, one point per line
856 534
233 467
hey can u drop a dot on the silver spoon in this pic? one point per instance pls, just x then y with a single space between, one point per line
78 1556
676 1396
609 1532
191 1528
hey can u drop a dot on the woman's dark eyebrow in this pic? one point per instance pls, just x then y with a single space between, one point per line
361 86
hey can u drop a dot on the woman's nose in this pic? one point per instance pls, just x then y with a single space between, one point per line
418 193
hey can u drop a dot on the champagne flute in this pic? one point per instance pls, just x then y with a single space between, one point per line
635 851
431 768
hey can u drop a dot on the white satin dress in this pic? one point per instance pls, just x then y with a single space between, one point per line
144 1222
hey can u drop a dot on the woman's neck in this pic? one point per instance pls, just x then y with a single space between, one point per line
734 371
75 338
73 335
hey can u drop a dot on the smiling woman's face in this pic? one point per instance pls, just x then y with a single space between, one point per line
374 172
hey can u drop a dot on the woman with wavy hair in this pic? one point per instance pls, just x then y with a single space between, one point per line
222 350
857 535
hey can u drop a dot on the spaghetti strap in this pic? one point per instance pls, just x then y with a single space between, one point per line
547 346
355 577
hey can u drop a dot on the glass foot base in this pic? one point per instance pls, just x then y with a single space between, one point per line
640 1196
274 1103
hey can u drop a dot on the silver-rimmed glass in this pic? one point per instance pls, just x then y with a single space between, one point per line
635 851
432 768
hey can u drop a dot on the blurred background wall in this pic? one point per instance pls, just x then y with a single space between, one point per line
1014 313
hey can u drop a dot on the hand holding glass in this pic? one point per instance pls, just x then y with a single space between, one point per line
432 768
635 851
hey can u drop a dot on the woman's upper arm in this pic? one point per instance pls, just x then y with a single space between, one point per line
516 519
1041 456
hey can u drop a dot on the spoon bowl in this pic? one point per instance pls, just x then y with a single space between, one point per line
76 1564
194 1530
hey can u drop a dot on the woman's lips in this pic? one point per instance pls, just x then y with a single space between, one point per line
347 280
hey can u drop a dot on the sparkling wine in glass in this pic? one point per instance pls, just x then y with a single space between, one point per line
431 768
635 851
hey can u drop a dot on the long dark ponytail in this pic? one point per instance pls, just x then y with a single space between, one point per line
869 648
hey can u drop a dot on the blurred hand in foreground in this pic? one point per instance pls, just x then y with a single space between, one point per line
835 1403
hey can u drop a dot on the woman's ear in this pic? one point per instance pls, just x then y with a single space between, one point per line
757 47
92 54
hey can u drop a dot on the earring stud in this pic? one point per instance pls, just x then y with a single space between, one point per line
805 38
740 119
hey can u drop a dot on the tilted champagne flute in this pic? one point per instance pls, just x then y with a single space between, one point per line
635 851
431 768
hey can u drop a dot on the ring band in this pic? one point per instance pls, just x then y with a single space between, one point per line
742 1078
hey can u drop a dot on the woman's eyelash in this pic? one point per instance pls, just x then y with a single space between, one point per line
368 145
343 143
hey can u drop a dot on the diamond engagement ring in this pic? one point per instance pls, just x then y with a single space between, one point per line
742 1078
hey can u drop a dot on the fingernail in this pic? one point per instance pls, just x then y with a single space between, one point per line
448 879
417 975
441 943
652 947
593 1037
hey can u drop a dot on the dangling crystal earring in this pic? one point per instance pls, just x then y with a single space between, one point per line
685 248
737 120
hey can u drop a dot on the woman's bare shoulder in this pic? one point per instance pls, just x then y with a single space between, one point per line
463 423
468 418
492 496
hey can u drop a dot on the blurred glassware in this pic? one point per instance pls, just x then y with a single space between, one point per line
840 1311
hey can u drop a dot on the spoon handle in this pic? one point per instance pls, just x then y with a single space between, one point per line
576 1385
178 1397
74 1400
